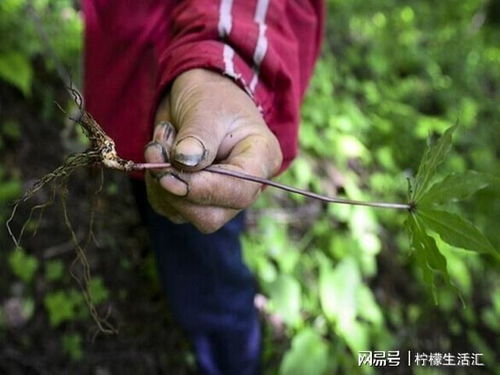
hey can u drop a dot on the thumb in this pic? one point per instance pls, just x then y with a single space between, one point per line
205 106
192 150
199 136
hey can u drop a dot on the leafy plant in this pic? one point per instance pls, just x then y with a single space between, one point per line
424 215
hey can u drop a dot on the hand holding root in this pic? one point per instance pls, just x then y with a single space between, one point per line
171 186
207 120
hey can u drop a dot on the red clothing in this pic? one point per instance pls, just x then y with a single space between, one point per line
134 49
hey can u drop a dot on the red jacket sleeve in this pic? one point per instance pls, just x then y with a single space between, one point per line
135 49
267 46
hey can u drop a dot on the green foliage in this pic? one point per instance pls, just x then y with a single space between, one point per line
8 189
452 229
391 75
309 355
457 231
63 306
23 265
63 26
54 270
16 69
338 290
72 345
98 292
286 298
455 187
433 157
429 258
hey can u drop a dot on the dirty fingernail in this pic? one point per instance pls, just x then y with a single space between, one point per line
174 184
164 131
189 151
154 151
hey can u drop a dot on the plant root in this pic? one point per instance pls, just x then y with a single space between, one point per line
101 152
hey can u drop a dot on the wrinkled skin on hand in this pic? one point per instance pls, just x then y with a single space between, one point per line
207 119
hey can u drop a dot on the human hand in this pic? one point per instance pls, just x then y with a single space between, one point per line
206 118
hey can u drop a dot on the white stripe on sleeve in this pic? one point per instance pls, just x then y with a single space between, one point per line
225 19
261 47
228 55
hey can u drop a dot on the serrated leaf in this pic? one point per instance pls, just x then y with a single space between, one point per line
434 155
429 258
16 69
456 231
456 187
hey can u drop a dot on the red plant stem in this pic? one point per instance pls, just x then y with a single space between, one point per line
264 181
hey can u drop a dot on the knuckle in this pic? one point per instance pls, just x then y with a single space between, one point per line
206 196
212 221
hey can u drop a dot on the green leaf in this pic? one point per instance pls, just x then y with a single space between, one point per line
9 190
430 261
23 265
355 334
308 355
371 310
456 187
286 298
54 270
72 345
16 69
457 231
434 155
98 291
337 288
60 307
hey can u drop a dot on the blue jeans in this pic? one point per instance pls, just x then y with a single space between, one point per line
209 289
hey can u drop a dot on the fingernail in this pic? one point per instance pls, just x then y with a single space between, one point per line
151 150
164 130
174 184
189 151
